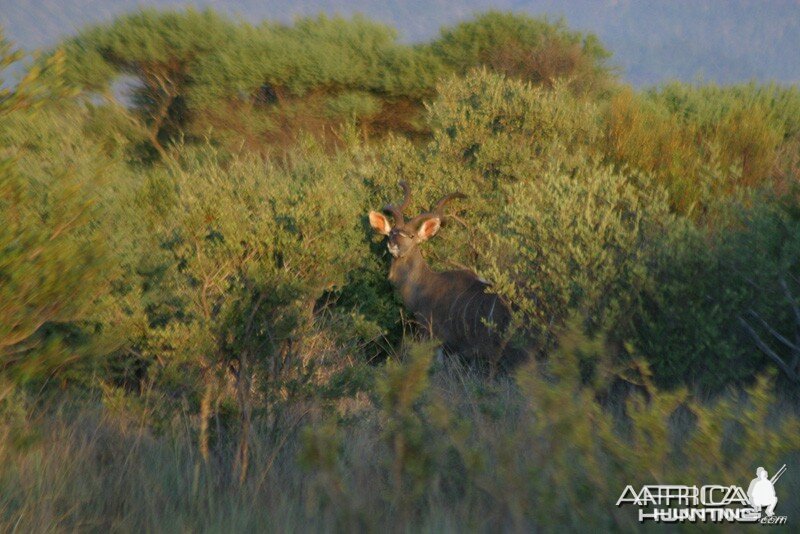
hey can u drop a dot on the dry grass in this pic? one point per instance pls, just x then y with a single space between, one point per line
445 451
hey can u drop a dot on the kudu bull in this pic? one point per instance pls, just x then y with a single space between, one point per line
453 306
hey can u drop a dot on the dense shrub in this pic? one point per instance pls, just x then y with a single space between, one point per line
764 256
191 70
706 142
549 224
159 50
56 262
703 288
439 452
532 49
237 257
489 133
650 139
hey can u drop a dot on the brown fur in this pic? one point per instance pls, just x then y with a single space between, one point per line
452 306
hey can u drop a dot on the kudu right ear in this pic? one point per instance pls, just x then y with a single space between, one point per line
379 223
428 228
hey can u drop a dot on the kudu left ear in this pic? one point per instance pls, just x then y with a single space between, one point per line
428 228
379 223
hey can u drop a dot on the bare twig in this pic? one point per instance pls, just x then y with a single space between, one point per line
774 333
791 373
792 302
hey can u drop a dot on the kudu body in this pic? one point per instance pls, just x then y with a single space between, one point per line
453 306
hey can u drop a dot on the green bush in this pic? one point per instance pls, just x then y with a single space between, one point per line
56 265
528 48
440 452
706 142
704 286
551 226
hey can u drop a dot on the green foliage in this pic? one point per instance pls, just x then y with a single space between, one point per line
315 54
212 243
544 451
41 84
687 324
489 133
548 224
705 142
507 131
764 256
657 436
691 325
576 241
648 138
352 105
709 104
399 390
186 64
244 250
52 265
532 49
56 266
160 50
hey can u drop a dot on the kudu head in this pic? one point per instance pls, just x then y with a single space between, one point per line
404 236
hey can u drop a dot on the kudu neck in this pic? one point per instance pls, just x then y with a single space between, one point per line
408 270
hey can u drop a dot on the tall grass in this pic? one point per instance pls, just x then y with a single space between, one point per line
432 448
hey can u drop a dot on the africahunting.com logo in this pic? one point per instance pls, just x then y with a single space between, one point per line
712 504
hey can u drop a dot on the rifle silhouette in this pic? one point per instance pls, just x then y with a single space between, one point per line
777 475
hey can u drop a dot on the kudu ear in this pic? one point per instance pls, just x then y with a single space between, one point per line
428 228
379 223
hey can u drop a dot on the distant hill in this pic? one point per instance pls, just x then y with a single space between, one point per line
724 41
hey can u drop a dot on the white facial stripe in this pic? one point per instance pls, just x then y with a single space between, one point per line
394 250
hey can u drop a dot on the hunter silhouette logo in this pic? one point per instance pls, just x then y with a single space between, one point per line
711 503
762 490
